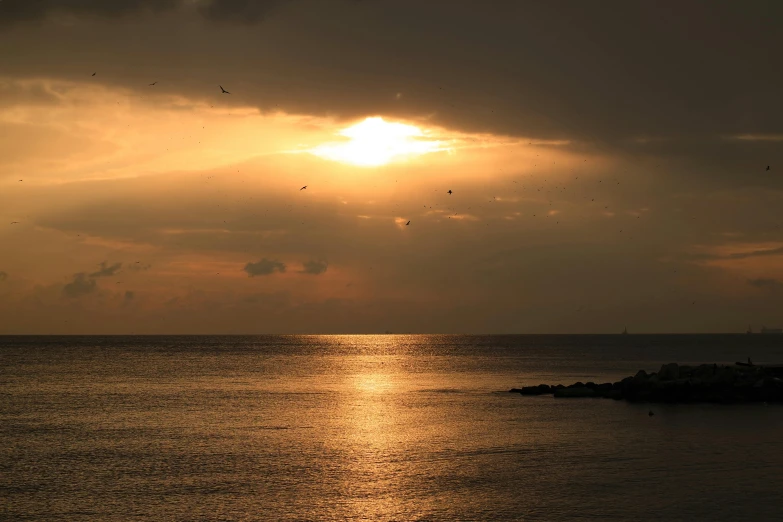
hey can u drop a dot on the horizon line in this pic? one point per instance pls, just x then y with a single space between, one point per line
355 334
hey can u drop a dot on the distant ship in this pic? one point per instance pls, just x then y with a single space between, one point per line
750 331
766 330
625 331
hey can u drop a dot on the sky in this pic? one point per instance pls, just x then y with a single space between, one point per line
607 162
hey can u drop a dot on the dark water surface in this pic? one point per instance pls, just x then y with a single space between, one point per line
374 428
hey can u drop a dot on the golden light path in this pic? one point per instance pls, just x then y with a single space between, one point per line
374 142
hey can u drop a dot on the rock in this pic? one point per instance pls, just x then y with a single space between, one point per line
704 371
572 392
725 375
680 384
671 391
603 390
531 390
669 372
541 389
627 383
775 370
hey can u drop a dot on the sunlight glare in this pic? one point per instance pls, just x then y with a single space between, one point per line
374 142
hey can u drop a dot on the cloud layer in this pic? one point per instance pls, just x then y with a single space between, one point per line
768 284
615 74
31 10
81 285
106 270
240 11
314 267
264 267
607 162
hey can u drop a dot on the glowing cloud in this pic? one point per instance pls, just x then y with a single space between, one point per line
375 142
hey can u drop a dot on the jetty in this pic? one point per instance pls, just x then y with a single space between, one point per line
674 383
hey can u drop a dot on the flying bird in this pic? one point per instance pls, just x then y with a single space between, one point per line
767 167
153 83
14 222
94 74
223 90
303 187
408 223
650 413
449 192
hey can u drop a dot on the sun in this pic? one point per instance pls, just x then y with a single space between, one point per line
374 142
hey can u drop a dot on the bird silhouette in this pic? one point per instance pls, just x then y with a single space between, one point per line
650 413
767 167
223 90
449 192
94 74
153 83
408 223
303 187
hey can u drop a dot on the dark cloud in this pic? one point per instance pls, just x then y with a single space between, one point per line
81 285
756 253
13 93
238 11
314 267
264 267
3 276
739 255
107 271
241 11
31 10
767 284
84 283
600 72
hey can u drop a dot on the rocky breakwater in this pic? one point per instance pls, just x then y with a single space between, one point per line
674 383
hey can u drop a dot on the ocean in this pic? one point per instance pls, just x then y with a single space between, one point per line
388 427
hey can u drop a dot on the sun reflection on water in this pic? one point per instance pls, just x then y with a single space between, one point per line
374 429
373 383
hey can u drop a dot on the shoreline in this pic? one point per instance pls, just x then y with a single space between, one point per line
674 383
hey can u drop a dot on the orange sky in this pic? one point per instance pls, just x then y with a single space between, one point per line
174 208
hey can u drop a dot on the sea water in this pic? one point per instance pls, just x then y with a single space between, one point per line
389 427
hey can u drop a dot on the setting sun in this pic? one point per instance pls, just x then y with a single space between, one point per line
375 142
